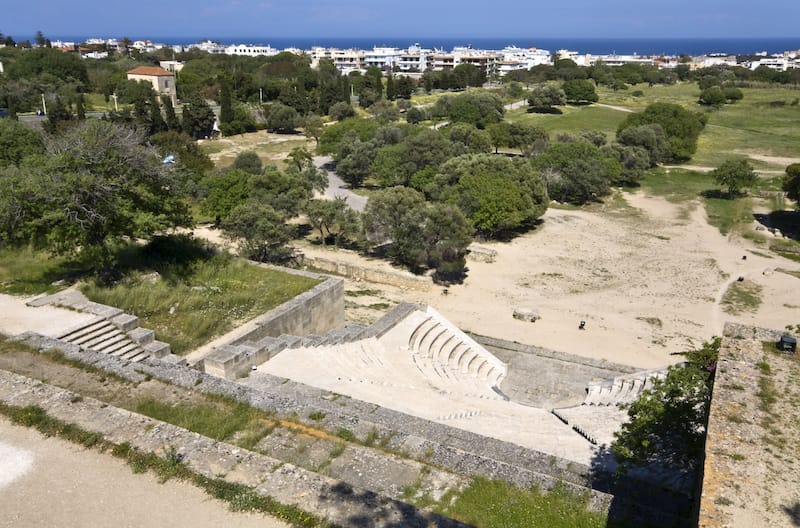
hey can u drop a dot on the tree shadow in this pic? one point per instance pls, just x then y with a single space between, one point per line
171 256
381 510
793 512
638 499
787 222
719 194
545 110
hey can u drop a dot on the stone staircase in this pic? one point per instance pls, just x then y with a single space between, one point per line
621 390
111 331
119 336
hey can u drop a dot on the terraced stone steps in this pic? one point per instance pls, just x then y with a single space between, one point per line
621 390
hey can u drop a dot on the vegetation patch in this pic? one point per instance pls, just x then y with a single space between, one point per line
188 300
741 297
496 504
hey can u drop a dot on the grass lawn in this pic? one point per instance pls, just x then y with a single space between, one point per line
764 123
24 271
189 303
682 186
573 120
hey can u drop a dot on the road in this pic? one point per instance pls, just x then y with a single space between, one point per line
337 187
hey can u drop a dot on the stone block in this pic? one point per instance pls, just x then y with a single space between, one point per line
125 322
141 335
157 349
530 315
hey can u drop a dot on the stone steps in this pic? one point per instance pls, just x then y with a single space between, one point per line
621 390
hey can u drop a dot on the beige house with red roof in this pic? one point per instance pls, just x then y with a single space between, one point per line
163 81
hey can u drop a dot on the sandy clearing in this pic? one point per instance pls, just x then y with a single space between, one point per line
69 486
647 280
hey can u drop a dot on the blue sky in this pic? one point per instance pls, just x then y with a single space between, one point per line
402 18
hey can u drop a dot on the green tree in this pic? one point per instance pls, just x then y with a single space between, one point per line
225 103
649 137
282 119
681 127
466 139
666 425
577 172
580 91
386 212
313 127
713 96
544 97
736 175
97 186
259 231
479 108
248 161
500 134
198 118
496 194
17 142
341 110
335 218
529 139
225 191
791 182
354 160
172 121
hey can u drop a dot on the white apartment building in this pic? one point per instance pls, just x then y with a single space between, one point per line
250 51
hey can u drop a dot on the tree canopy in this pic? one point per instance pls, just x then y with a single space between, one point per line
97 185
681 127
735 175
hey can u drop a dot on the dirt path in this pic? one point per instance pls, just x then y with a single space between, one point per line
57 483
613 107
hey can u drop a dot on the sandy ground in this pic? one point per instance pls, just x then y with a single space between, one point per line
647 279
47 482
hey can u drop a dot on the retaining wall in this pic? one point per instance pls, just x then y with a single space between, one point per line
351 271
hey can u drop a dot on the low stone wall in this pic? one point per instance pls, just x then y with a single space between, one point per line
360 273
335 500
316 311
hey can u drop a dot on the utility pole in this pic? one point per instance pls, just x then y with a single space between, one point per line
44 105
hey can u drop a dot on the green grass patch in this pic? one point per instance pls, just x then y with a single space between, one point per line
728 214
24 271
741 297
572 120
496 504
195 298
217 420
677 185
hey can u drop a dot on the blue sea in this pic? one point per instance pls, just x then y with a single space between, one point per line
596 46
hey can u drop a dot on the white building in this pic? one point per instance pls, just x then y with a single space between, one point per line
250 50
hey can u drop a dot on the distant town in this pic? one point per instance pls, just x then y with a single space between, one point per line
416 58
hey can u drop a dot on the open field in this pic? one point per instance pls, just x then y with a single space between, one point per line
271 148
573 120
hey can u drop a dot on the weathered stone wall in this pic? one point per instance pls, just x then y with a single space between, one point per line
735 424
339 502
351 271
315 311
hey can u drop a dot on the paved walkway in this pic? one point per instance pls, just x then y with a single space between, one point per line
16 317
337 187
47 482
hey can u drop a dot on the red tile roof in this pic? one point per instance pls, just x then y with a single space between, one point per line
149 70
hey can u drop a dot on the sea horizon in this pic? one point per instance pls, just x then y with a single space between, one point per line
592 45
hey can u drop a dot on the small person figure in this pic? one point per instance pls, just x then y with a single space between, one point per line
582 325
744 257
741 278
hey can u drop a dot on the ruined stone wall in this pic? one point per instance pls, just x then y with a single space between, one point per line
351 271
